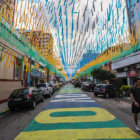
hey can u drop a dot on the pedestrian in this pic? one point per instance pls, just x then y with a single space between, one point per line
135 97
116 95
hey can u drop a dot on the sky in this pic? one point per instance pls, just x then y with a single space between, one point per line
79 26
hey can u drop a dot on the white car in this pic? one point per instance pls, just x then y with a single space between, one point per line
50 87
44 87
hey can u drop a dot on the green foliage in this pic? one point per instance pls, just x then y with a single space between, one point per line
102 74
125 88
42 81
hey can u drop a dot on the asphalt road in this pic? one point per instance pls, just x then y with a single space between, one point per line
12 123
121 109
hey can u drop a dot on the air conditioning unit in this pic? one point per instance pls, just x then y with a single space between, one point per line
138 66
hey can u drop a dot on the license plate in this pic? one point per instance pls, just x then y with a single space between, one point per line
18 99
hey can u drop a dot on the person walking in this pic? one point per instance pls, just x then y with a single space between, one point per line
117 95
135 97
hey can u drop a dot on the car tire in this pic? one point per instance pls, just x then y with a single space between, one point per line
49 95
12 109
96 94
33 104
42 99
107 95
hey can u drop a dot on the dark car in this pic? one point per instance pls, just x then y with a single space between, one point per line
97 89
88 86
108 90
82 84
24 97
77 84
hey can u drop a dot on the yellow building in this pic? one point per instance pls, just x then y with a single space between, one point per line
7 7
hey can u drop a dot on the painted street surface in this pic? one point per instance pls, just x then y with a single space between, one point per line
72 115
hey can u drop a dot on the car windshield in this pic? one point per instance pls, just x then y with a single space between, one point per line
38 86
42 85
50 85
19 92
98 86
102 87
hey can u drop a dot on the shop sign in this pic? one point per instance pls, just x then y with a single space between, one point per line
122 74
35 73
132 73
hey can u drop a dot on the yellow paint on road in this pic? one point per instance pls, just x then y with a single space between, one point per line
101 115
77 134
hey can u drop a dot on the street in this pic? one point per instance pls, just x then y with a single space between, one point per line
12 123
121 109
69 69
59 119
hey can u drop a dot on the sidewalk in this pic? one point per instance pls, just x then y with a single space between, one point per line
126 99
3 108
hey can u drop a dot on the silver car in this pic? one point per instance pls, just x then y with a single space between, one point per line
44 87
50 88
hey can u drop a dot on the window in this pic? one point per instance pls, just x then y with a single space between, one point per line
17 69
19 92
42 85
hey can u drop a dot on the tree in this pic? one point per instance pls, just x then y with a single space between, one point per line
102 75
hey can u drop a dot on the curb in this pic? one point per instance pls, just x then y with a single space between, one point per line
4 111
126 100
3 101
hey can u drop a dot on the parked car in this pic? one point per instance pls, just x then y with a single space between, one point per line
57 86
54 87
50 87
82 85
60 84
44 87
108 90
88 86
97 89
77 84
25 97
64 82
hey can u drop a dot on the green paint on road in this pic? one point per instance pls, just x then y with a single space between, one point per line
68 89
34 126
72 113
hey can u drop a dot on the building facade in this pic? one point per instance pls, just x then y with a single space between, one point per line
7 8
11 72
128 67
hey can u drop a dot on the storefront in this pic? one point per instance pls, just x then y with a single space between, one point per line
132 75
35 77
128 67
123 77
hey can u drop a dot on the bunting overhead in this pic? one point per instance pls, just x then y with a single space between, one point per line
72 36
86 27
